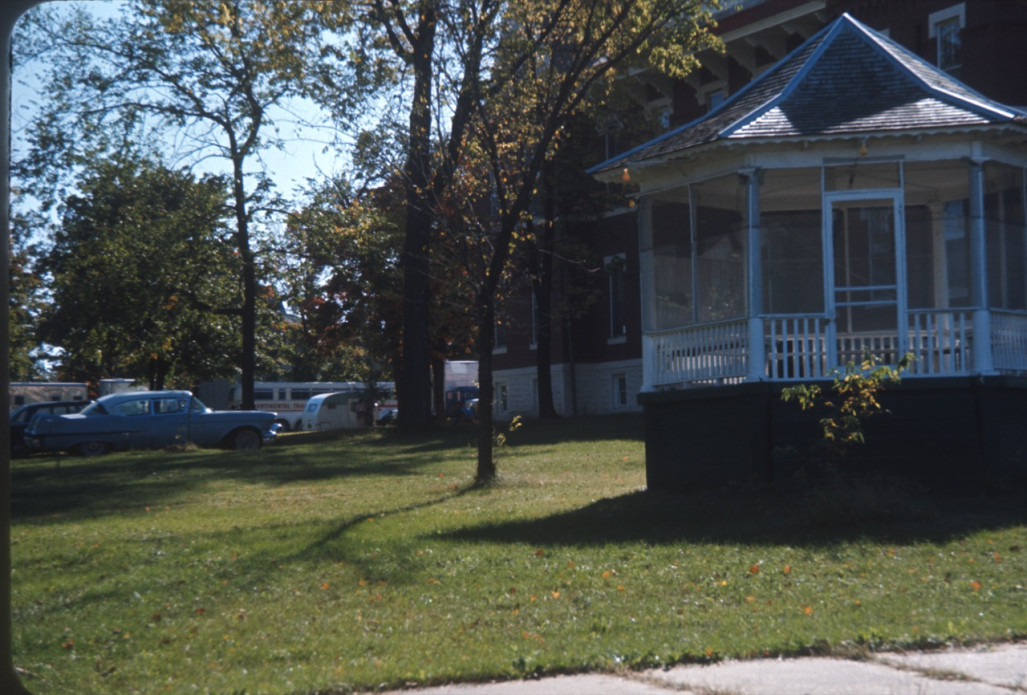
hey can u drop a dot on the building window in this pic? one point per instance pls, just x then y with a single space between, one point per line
620 391
714 95
502 400
945 27
500 336
616 268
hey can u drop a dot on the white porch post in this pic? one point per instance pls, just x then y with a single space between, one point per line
754 277
647 284
982 353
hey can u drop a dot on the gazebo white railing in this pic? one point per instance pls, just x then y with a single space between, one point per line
707 353
798 348
1009 341
940 341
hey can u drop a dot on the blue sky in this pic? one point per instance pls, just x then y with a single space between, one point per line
301 158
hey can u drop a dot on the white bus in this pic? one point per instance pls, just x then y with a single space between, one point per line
289 398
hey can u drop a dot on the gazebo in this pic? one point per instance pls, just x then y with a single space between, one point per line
853 199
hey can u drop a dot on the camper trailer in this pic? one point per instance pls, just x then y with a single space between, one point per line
334 411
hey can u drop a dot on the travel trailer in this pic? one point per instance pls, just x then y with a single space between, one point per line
334 411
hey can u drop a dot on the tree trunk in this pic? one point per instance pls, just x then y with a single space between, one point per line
542 285
414 385
156 373
438 370
247 360
486 471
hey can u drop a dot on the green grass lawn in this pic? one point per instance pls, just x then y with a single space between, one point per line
363 560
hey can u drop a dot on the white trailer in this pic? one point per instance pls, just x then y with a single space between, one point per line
334 411
22 392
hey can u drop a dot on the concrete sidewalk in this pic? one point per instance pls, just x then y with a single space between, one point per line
987 670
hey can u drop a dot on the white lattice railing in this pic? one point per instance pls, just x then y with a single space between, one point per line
941 341
800 348
712 352
796 347
1009 341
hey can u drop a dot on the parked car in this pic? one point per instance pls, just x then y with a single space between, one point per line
457 398
149 420
469 411
388 416
22 416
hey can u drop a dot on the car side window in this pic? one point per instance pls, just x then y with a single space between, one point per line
169 406
132 408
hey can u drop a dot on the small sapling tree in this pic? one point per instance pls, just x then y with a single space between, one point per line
853 397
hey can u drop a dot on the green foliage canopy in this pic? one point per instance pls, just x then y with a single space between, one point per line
143 284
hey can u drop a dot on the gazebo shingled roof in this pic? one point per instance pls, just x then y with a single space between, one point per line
845 80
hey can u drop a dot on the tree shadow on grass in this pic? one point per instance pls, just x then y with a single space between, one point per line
71 486
811 517
532 432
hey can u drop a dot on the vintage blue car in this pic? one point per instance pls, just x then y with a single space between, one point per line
149 420
22 416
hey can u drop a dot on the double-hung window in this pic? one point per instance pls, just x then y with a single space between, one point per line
945 27
616 270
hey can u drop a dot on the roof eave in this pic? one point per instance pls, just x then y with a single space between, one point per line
639 168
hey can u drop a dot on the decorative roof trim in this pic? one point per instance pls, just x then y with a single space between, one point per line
658 162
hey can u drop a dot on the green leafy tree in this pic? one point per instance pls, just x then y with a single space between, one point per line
141 280
551 61
24 303
340 276
441 47
206 78
490 86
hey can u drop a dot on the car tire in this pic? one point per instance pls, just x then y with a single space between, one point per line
93 448
283 425
246 440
